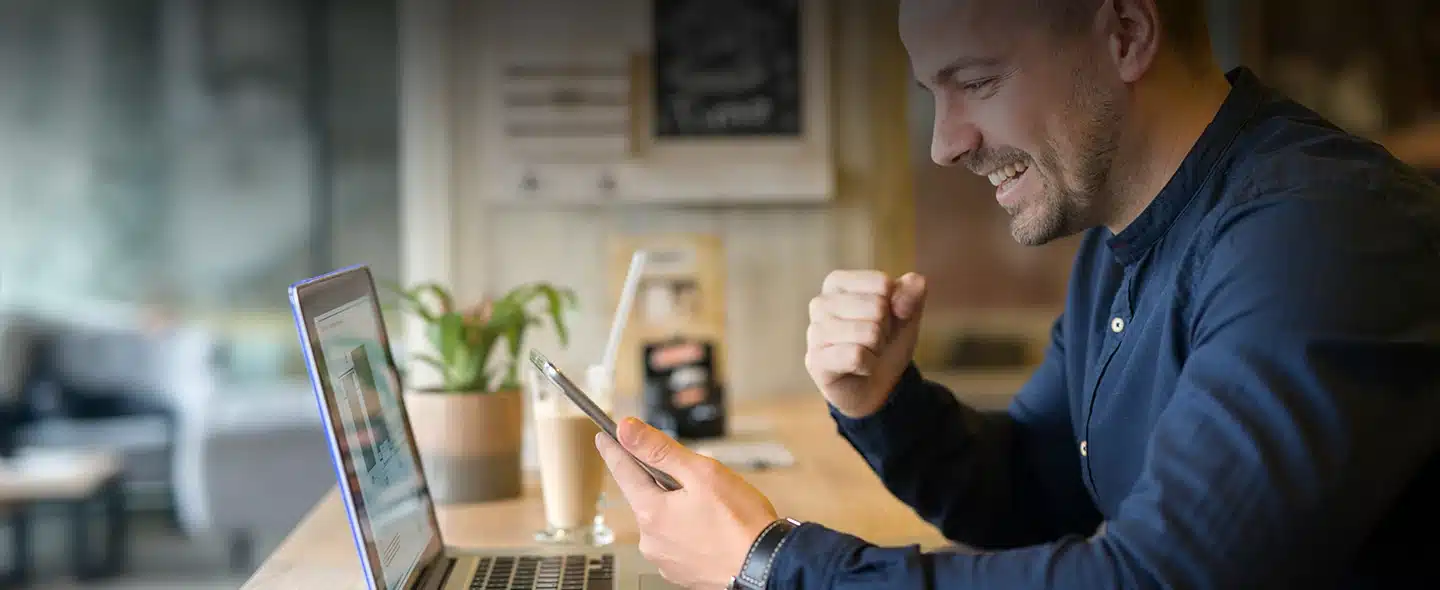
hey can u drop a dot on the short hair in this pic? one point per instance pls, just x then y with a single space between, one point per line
1183 23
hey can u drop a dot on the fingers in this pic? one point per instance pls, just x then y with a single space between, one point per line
655 448
850 306
866 334
635 484
858 315
841 359
866 282
908 298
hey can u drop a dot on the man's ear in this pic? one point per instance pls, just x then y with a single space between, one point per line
1134 33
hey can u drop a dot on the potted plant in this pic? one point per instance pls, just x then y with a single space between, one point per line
468 426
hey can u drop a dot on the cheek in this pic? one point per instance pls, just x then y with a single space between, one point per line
1014 119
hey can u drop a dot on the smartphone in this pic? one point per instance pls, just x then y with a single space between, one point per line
598 416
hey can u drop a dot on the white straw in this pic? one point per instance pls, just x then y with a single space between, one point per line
622 312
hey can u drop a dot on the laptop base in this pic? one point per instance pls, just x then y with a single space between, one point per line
546 568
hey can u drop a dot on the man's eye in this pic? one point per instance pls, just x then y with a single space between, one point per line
978 85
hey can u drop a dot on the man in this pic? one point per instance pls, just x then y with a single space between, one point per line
1242 392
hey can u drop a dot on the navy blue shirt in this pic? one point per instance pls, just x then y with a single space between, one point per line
1244 389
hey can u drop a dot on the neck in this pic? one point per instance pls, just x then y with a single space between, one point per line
1168 114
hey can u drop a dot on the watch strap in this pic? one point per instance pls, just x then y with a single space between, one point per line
755 572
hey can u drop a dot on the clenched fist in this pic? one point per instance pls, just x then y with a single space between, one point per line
863 328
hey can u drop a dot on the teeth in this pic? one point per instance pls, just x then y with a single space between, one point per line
998 177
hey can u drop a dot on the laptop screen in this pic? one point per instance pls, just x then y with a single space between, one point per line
391 503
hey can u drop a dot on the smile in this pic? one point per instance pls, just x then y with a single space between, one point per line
1006 174
1011 184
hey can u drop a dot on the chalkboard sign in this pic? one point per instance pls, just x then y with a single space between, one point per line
727 68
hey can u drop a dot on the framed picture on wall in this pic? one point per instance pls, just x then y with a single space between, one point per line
728 68
742 82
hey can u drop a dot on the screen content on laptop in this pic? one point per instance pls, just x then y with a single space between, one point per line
390 507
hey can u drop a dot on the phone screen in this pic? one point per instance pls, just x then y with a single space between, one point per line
601 419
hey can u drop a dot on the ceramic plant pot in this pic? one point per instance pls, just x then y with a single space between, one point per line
469 443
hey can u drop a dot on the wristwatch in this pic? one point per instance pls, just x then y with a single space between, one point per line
755 572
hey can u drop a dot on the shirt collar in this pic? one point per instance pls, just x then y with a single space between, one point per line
1245 96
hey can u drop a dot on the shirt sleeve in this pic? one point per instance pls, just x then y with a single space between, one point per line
1307 404
985 479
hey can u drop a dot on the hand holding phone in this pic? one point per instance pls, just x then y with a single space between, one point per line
598 416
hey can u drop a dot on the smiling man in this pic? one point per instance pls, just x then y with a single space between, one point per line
1243 390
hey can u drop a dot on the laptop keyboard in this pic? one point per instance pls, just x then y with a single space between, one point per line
567 572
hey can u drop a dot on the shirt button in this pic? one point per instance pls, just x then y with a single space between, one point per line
1117 325
1083 453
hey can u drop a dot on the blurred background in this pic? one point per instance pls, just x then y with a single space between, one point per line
168 167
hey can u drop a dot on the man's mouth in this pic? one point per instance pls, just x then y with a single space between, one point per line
1009 182
1007 174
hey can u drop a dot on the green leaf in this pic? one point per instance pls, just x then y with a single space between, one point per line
447 302
412 301
465 347
557 300
450 337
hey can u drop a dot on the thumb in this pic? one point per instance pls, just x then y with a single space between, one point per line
907 299
652 447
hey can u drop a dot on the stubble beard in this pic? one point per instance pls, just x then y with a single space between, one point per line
1067 202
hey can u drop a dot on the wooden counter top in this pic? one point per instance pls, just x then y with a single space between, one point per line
829 484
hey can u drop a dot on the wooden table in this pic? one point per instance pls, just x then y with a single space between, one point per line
78 479
829 484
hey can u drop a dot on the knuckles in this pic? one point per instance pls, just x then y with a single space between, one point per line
855 358
878 308
864 280
817 307
655 454
708 470
870 334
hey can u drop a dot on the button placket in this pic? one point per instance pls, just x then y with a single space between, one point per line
1119 312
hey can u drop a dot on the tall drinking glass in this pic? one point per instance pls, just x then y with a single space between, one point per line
572 474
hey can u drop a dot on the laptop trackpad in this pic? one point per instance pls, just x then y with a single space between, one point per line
655 582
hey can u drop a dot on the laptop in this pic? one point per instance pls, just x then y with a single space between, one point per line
392 518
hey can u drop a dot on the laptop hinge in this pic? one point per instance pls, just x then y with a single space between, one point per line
435 574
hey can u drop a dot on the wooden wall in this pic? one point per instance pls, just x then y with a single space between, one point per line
1383 54
775 255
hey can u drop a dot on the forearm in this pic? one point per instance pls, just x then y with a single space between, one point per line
816 557
1241 489
962 470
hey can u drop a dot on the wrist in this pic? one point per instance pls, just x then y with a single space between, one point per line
754 572
865 406
879 403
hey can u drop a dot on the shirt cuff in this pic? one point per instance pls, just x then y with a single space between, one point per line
807 557
892 427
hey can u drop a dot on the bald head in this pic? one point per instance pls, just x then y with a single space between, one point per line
1184 22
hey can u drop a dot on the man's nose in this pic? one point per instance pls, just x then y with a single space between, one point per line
950 142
